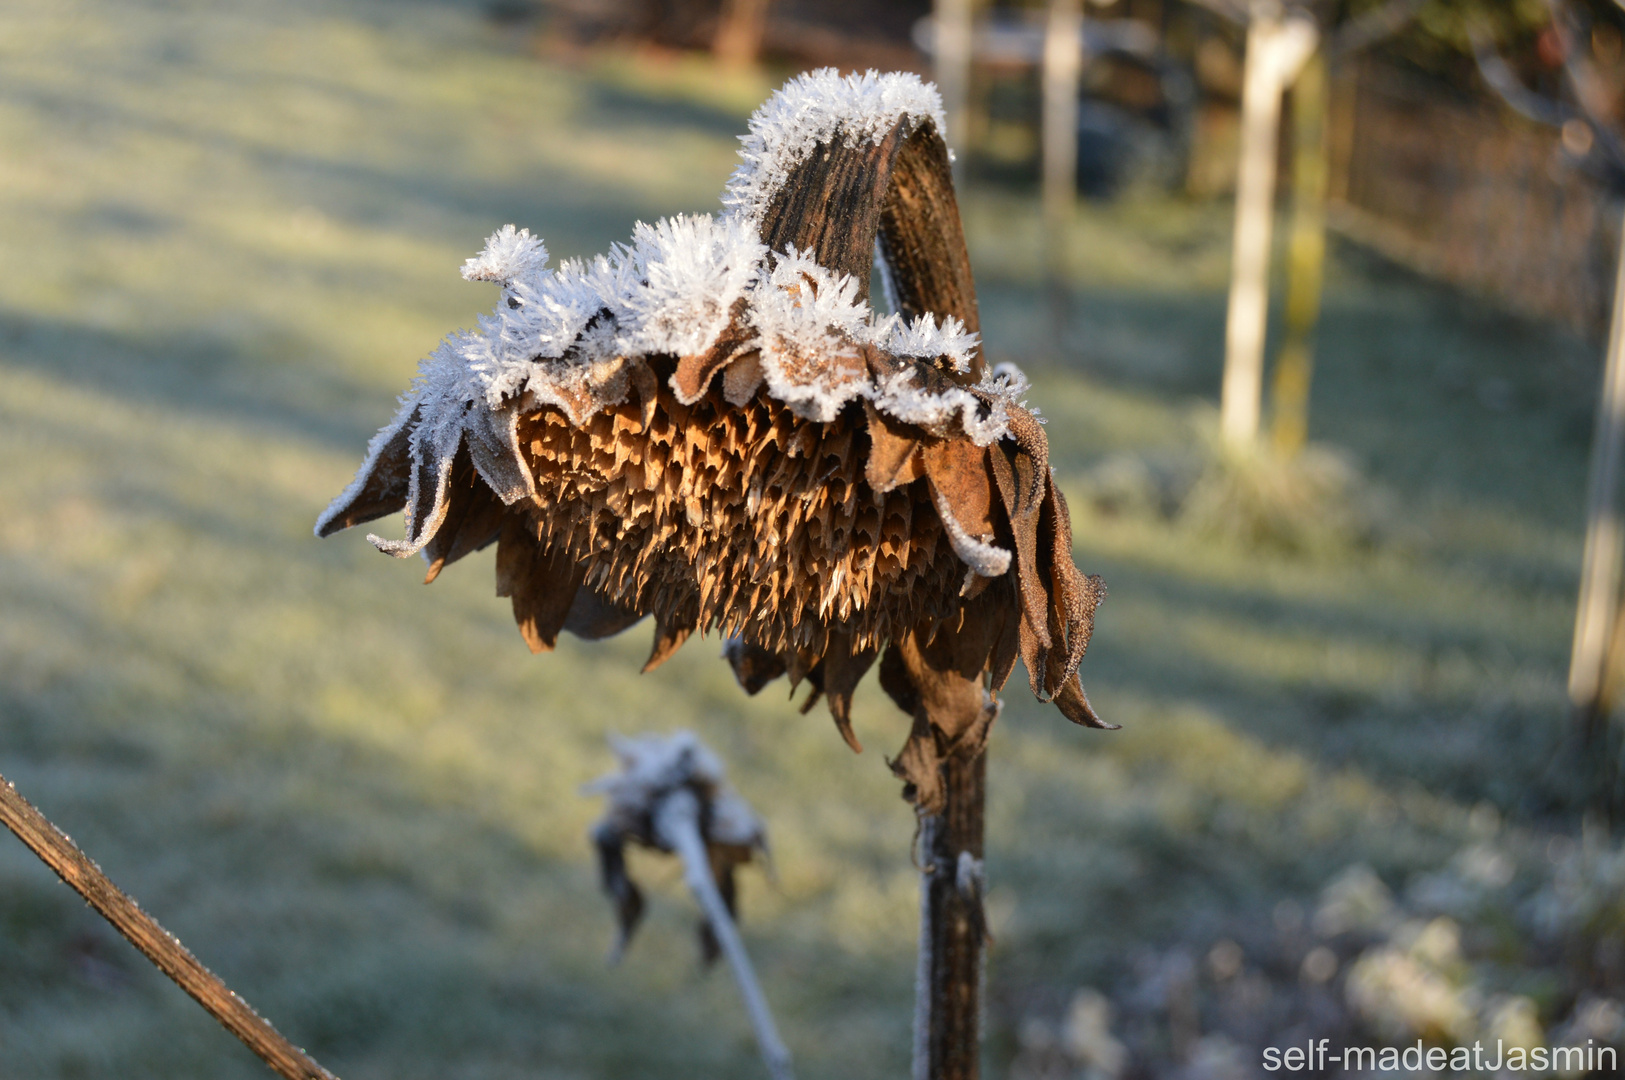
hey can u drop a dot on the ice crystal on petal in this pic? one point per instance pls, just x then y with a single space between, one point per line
509 254
689 272
923 337
811 109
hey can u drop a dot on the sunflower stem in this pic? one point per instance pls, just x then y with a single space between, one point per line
677 824
948 1018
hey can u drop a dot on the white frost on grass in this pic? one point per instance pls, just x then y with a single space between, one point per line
813 108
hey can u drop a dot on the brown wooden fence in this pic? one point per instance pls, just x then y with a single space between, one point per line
1464 190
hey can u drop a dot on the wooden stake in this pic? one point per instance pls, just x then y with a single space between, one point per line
950 62
157 944
740 26
1276 49
1306 260
1062 74
1600 565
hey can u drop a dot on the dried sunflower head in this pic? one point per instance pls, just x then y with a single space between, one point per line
711 426
653 768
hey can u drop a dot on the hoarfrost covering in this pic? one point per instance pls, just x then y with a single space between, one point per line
811 109
685 286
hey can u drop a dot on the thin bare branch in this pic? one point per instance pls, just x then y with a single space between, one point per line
1232 10
1500 77
157 944
1370 27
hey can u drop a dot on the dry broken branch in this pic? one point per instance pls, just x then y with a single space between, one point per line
62 855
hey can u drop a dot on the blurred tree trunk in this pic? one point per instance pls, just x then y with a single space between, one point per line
1276 49
738 42
1062 71
1306 259
1590 688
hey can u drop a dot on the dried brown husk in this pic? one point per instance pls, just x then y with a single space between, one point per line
705 502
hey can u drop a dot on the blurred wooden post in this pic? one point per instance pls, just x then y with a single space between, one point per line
950 60
1276 49
1600 566
1306 258
1062 74
740 26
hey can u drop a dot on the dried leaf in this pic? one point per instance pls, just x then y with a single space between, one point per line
668 639
1074 705
474 518
753 665
611 846
919 765
542 581
742 378
383 483
958 471
592 618
843 669
896 680
694 373
492 439
894 458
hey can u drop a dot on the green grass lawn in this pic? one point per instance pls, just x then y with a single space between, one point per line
227 233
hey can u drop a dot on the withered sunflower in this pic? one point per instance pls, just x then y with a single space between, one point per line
712 426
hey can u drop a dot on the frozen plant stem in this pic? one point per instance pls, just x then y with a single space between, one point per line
677 826
166 952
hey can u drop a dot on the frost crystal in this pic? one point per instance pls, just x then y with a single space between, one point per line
508 254
812 109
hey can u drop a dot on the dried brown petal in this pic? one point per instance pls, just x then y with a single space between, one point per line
592 617
843 669
474 519
894 458
542 580
1074 705
668 639
492 439
383 482
752 665
742 378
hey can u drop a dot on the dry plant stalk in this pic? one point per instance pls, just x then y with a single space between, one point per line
713 427
74 867
670 795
